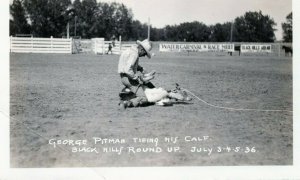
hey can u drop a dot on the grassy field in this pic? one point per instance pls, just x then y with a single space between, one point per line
75 97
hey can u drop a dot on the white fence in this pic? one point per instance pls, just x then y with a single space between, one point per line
100 46
40 45
126 46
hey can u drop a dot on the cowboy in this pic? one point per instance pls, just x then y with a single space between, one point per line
129 69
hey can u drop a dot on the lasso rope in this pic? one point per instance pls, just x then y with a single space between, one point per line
233 109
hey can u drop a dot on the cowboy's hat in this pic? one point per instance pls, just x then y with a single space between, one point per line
147 45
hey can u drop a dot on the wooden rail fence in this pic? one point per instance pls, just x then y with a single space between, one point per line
40 45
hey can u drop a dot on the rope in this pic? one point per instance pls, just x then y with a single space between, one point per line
234 109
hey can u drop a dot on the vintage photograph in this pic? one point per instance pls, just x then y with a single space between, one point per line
119 83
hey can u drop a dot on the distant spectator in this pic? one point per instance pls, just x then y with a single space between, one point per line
109 49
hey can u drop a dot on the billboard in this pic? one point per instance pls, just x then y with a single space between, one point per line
222 47
255 48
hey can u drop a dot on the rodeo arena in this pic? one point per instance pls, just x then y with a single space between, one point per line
110 103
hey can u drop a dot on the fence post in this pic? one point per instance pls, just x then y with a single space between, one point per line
103 47
71 45
31 43
10 49
279 50
95 43
51 41
120 40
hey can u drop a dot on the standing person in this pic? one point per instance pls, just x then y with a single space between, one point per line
109 49
128 68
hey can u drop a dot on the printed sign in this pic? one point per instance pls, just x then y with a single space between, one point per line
196 47
255 48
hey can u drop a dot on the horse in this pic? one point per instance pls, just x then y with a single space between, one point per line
287 50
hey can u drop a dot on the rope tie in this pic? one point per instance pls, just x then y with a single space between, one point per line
234 109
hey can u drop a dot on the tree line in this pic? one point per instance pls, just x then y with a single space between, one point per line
89 18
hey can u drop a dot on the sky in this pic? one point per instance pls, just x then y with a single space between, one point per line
170 12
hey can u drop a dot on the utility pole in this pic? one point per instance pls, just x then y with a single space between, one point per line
75 26
231 31
149 28
68 30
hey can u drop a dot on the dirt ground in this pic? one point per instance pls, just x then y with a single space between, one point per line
75 97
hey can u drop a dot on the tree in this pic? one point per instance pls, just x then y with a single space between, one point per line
157 34
188 31
89 15
138 30
287 28
221 32
254 27
18 24
48 17
77 21
123 19
102 19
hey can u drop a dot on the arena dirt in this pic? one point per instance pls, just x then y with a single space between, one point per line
76 97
